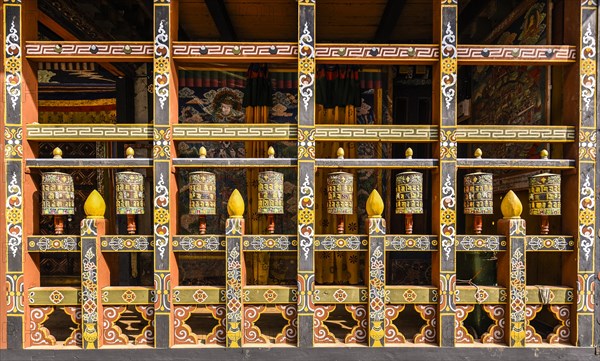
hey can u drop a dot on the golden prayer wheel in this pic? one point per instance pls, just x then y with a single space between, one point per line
270 192
58 195
130 194
203 188
340 189
544 197
479 197
409 197
203 194
409 194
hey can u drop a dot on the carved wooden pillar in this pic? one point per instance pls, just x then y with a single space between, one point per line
376 226
444 205
13 178
165 212
94 271
306 171
582 319
511 269
234 230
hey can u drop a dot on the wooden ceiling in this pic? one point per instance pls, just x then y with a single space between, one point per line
337 20
345 21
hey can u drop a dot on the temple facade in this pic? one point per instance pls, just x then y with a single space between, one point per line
183 178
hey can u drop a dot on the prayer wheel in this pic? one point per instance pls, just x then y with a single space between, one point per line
270 192
130 194
479 197
203 198
544 198
58 197
340 189
409 194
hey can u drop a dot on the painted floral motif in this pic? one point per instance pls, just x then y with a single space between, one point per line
306 211
449 66
448 208
12 64
306 66
588 67
161 56
587 218
14 214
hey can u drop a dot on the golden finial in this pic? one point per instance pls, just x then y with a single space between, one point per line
374 205
340 153
271 152
511 206
408 153
57 153
544 154
94 206
202 152
235 205
130 152
478 153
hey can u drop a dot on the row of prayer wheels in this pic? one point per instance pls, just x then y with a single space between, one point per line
544 195
58 195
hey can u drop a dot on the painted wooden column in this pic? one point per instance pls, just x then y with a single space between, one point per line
582 321
511 269
94 272
445 197
306 171
234 230
163 80
376 227
13 178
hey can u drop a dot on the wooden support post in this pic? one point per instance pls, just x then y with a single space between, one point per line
95 275
511 270
14 176
234 230
306 171
165 104
19 103
376 227
582 319
444 204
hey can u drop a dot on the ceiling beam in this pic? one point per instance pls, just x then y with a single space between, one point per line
509 20
470 13
389 19
66 35
220 16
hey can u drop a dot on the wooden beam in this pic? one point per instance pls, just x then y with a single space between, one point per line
510 19
220 16
470 12
68 36
388 21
